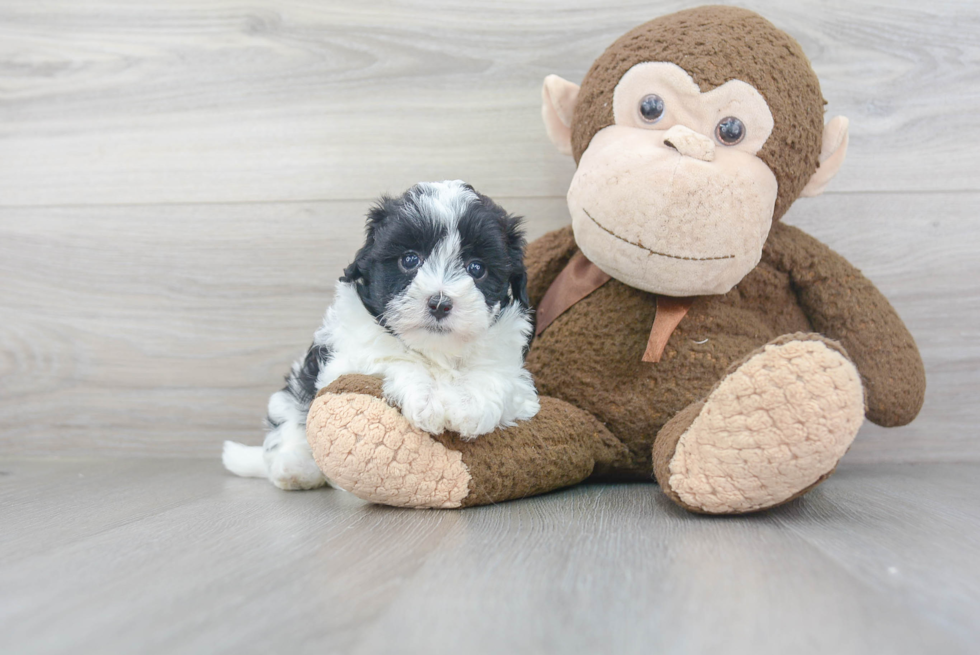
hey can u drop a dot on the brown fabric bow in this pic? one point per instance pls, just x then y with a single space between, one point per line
580 277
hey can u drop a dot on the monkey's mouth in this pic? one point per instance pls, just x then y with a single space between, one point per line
652 252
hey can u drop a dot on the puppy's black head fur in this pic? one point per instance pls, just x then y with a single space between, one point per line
491 235
391 230
398 225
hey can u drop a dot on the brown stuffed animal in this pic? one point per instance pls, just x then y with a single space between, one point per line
683 332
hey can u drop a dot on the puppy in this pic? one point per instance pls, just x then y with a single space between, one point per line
435 303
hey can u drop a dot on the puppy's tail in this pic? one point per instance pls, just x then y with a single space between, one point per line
246 461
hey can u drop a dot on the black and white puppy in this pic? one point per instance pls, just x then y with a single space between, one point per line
435 303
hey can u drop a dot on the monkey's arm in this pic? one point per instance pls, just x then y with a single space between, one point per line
544 259
844 305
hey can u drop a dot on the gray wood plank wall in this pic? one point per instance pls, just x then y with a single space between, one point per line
181 182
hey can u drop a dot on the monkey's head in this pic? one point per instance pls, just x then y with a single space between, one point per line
692 134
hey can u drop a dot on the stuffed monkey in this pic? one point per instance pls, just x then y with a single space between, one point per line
683 332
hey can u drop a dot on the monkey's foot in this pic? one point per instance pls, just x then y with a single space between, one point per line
771 430
365 446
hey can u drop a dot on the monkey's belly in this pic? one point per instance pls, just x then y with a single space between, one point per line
591 355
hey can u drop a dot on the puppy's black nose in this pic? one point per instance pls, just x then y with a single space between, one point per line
439 306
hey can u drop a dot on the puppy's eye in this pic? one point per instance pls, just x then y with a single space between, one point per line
730 131
476 269
409 262
651 108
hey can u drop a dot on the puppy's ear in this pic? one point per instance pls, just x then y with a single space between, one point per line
355 271
376 217
352 273
514 233
518 288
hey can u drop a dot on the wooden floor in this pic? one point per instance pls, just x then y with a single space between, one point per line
176 556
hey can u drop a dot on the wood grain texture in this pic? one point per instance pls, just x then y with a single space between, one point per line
162 330
181 182
165 556
218 101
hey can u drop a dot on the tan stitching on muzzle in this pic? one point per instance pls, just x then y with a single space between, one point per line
654 252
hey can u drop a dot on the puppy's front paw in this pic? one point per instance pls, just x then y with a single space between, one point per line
430 419
475 424
471 416
425 412
476 411
528 407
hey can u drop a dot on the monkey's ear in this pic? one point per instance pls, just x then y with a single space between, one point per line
831 156
558 98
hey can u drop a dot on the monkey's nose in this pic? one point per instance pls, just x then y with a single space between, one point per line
440 306
690 143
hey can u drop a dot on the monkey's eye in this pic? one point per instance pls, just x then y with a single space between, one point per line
730 131
476 269
409 261
651 108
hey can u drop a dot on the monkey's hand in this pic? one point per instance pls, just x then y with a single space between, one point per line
844 305
368 447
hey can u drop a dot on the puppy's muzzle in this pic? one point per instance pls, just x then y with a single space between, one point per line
440 306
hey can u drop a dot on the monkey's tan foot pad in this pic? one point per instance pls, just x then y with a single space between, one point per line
772 429
365 446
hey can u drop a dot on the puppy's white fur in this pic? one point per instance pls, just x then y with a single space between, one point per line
440 381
